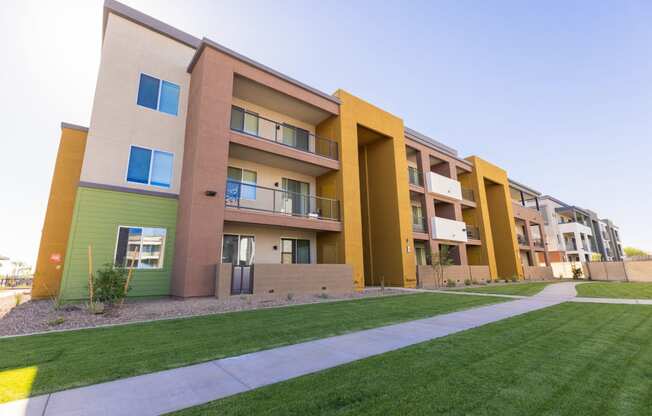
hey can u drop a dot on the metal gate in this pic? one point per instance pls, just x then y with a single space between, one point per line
242 280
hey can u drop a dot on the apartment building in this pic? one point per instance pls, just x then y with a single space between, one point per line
530 225
570 229
207 172
609 236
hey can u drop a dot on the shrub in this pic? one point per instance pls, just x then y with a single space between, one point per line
514 278
468 282
56 321
450 283
290 296
109 284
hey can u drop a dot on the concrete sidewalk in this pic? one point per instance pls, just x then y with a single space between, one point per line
167 391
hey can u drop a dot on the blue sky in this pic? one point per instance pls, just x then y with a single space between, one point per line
557 92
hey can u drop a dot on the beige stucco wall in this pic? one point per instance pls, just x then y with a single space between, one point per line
117 121
272 115
268 237
538 272
268 176
456 273
280 279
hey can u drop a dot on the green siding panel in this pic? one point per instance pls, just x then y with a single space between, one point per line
96 218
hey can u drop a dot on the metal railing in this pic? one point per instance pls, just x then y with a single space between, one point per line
538 242
472 233
259 198
419 225
252 124
522 240
414 176
15 281
468 194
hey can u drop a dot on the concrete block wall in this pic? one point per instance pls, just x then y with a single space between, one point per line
457 274
538 272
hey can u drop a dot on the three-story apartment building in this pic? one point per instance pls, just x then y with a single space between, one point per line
201 166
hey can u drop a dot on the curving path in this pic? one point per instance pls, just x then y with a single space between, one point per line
171 390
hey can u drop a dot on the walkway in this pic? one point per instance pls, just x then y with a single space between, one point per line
170 390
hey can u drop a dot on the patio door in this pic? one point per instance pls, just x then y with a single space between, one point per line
239 251
296 197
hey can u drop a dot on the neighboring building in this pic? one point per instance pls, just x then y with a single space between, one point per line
612 249
197 156
571 230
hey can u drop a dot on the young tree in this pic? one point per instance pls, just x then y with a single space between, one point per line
440 261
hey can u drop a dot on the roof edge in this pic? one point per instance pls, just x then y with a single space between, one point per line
206 42
524 187
71 126
432 142
149 22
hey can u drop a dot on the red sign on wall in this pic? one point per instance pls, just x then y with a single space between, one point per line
55 258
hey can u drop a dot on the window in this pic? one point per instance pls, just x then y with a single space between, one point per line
241 184
296 137
150 167
294 251
140 247
158 95
244 121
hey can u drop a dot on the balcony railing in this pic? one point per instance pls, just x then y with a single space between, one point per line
419 225
414 176
522 240
571 246
538 242
468 194
259 198
252 124
472 233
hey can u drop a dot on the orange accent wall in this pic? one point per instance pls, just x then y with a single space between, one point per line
58 216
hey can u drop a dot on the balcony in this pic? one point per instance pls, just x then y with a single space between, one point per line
251 124
468 195
570 245
472 233
538 242
443 185
286 208
451 230
414 176
419 225
522 240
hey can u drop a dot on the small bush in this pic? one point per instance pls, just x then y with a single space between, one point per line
514 278
18 297
323 296
109 284
56 322
96 308
468 282
290 296
450 283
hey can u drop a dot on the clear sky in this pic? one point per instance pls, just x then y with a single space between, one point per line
557 92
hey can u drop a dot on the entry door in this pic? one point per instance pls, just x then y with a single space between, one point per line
239 251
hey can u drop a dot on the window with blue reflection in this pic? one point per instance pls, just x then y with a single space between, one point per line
169 102
139 160
158 95
148 91
162 169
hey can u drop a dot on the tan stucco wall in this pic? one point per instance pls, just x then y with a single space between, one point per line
272 115
268 237
639 271
458 274
117 121
276 280
537 272
268 176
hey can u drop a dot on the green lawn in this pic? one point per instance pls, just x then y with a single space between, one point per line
45 363
520 289
571 359
625 290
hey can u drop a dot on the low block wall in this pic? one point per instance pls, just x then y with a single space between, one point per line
277 280
455 273
223 280
537 272
638 271
607 271
281 279
564 270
